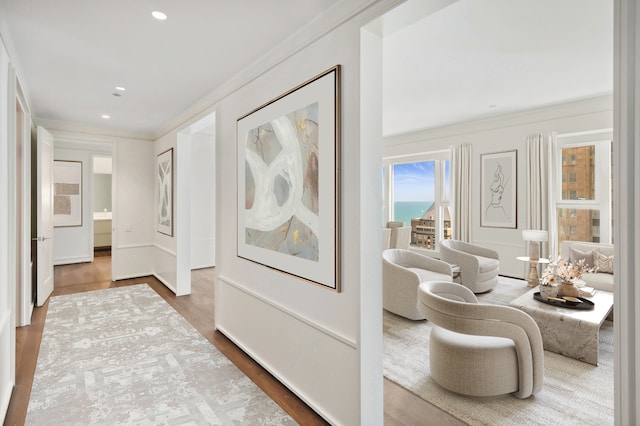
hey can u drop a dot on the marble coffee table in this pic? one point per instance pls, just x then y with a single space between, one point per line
570 332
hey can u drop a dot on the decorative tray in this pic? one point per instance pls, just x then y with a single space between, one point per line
584 304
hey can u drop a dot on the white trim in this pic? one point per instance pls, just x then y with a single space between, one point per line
159 247
325 330
136 275
282 379
23 297
554 112
134 246
626 195
70 260
166 284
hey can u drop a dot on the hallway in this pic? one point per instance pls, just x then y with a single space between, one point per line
197 308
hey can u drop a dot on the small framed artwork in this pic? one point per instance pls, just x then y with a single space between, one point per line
288 182
164 179
67 193
498 189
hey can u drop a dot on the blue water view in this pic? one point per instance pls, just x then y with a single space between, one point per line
404 211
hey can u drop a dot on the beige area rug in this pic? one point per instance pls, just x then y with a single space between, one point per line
574 392
125 356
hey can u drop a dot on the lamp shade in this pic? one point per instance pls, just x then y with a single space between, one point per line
535 235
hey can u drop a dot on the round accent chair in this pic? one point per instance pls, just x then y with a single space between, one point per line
477 349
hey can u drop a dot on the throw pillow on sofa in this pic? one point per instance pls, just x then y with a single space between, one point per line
603 263
576 255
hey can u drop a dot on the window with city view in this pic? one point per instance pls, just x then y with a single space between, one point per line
584 203
419 194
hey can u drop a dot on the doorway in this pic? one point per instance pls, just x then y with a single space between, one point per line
196 220
102 209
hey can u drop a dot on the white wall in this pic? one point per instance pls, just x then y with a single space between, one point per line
74 244
133 248
165 246
203 205
309 337
505 134
7 284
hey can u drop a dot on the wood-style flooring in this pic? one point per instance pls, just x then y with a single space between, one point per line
401 406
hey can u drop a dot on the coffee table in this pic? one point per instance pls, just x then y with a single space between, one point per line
570 332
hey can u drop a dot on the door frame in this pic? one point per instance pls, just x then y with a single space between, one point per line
24 289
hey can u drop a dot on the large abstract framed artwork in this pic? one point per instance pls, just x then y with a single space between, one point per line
164 179
498 189
67 193
288 181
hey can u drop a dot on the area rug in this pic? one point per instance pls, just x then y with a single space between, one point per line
574 392
125 356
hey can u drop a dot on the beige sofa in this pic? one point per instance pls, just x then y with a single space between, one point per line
574 250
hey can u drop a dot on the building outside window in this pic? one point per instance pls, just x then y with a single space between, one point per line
583 203
419 194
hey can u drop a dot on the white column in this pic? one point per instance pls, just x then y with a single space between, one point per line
627 204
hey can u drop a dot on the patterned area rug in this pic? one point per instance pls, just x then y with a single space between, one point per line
124 356
574 392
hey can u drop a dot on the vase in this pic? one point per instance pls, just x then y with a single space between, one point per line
567 288
547 291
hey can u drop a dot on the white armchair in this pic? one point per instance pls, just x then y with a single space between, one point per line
480 350
479 266
402 273
400 235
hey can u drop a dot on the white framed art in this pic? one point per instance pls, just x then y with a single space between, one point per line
288 181
164 184
498 189
67 193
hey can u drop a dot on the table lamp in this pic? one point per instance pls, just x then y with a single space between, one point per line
534 237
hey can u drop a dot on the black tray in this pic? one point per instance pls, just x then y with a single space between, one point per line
584 305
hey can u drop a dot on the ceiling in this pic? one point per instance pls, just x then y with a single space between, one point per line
71 54
472 59
445 61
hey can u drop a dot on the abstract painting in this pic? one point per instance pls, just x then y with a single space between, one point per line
498 189
67 193
288 182
164 178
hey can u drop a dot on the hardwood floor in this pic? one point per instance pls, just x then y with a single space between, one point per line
401 406
197 308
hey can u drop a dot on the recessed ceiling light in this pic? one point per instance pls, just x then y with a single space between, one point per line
493 106
159 15
106 116
120 88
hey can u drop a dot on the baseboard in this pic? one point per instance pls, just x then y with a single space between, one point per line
277 376
166 284
71 260
131 276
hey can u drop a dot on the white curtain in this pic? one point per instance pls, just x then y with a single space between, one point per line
541 192
461 192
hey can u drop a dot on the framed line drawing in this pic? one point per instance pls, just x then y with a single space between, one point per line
289 181
164 185
67 193
498 189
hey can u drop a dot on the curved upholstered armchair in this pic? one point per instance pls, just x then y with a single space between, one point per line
402 273
479 266
477 349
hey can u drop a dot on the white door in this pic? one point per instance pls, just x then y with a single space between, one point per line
44 198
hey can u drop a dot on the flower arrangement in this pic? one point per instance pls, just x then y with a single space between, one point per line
563 271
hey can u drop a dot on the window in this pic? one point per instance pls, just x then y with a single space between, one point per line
583 205
419 193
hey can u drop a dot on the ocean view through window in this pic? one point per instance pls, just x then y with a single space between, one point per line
418 195
404 211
